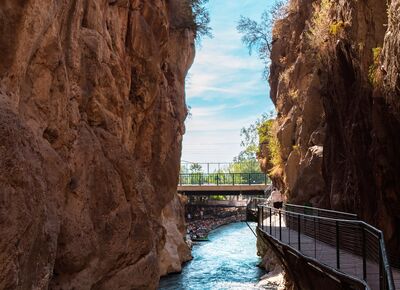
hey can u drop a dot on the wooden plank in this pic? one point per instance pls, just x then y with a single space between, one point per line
351 264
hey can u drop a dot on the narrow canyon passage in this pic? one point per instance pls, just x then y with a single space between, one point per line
227 261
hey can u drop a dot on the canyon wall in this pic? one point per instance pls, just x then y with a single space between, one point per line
91 122
335 83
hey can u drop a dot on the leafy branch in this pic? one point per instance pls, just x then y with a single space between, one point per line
258 35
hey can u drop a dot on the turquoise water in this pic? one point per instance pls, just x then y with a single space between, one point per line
227 261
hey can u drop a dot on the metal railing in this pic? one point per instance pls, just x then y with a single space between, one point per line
314 211
255 202
217 179
348 245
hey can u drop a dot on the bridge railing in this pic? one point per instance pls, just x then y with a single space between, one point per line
219 179
348 238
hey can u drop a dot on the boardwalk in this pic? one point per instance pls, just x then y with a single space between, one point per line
324 253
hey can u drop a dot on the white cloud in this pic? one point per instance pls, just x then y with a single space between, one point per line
224 89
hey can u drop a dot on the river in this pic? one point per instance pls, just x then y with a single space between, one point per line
227 261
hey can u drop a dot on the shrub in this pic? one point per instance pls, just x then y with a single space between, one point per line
193 15
373 72
286 74
336 28
201 18
320 25
267 136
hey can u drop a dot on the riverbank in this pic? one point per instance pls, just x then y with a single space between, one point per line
202 227
276 277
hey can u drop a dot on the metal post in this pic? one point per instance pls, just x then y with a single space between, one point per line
265 178
337 246
288 225
280 225
298 231
381 282
258 217
364 254
233 179
262 217
270 221
249 179
315 238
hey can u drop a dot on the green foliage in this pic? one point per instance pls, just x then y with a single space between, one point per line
245 166
250 140
193 15
320 24
336 28
201 18
377 51
267 136
373 73
218 197
195 168
258 35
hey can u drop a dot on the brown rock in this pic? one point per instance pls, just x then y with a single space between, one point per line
347 102
176 250
91 120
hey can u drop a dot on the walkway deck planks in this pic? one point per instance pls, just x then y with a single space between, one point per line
326 254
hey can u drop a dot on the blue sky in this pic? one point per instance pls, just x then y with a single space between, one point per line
224 89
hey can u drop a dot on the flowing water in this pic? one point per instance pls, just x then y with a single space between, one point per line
227 261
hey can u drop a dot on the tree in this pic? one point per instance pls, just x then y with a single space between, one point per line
250 139
258 35
193 15
195 168
201 18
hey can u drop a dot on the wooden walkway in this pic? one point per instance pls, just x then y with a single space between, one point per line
326 254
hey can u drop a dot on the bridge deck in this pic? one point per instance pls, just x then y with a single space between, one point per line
222 189
326 254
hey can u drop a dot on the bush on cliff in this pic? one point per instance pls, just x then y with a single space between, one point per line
258 35
267 137
193 15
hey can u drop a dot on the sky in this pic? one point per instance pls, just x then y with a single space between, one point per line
224 88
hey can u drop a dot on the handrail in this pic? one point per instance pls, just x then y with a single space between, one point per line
309 225
229 178
305 207
386 263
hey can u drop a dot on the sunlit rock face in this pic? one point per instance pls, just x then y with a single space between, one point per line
176 250
295 91
338 109
91 121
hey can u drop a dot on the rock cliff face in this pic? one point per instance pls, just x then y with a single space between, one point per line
335 81
176 250
91 121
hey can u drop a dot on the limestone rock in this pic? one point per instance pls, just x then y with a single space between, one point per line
91 121
176 250
343 97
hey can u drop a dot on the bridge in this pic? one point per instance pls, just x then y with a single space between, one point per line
252 183
324 249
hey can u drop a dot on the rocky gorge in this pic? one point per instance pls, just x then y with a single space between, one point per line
91 123
335 83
